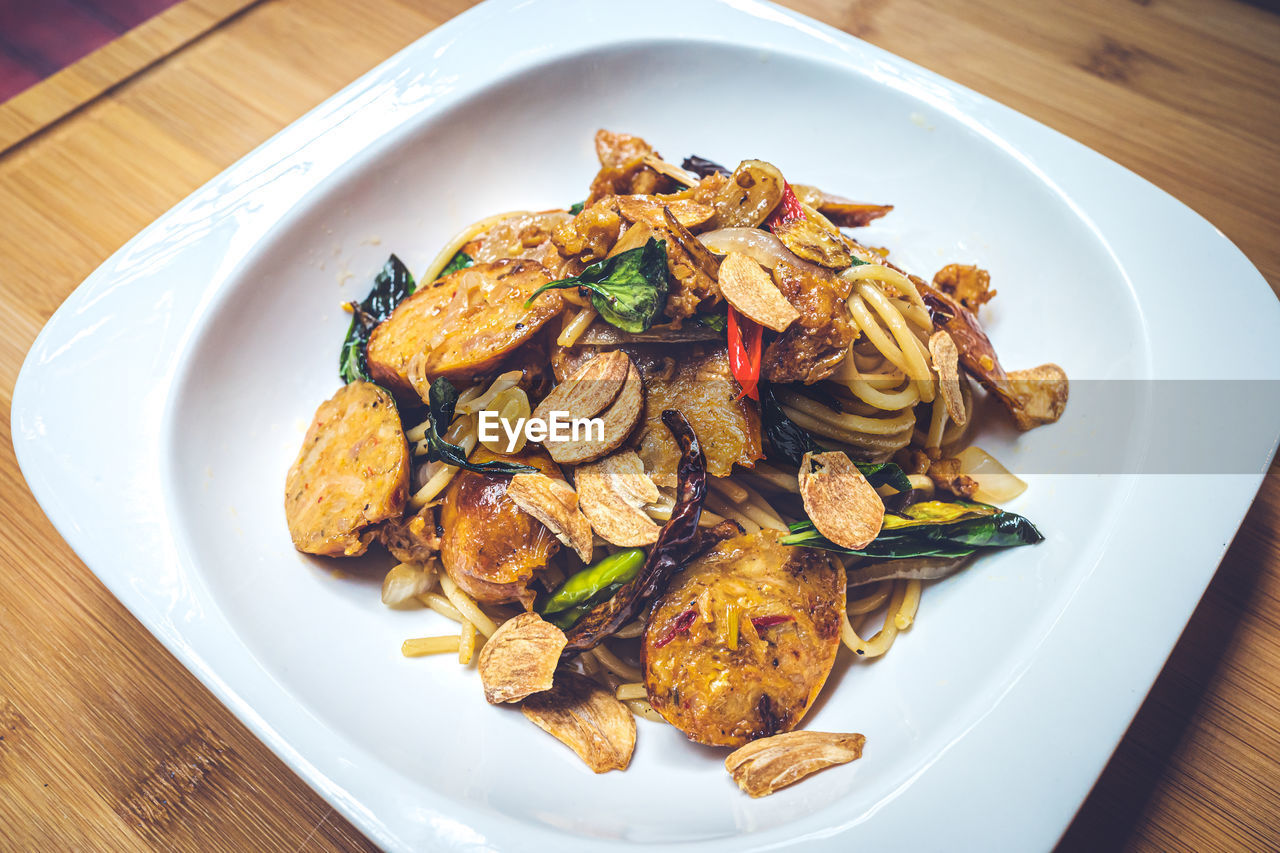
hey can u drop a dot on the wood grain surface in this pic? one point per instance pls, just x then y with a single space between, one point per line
82 82
107 743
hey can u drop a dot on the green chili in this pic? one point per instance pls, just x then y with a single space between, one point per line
587 586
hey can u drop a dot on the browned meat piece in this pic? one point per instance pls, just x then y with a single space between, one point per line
525 235
743 640
649 209
815 344
492 548
691 265
351 473
590 235
1033 397
946 475
851 214
970 285
594 234
698 382
618 149
840 212
912 460
814 243
623 170
461 326
414 539
704 193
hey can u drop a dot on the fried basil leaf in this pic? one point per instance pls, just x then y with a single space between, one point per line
702 167
629 290
788 442
390 287
459 261
931 529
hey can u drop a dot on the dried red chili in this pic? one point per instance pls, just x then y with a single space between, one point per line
676 542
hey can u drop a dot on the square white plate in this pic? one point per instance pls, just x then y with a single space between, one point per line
159 409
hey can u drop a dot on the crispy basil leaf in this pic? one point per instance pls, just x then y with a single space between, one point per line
459 261
577 207
442 399
785 440
629 289
390 287
932 529
788 442
719 322
885 474
702 167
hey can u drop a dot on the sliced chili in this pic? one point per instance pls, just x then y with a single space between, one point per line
788 209
746 340
682 623
759 622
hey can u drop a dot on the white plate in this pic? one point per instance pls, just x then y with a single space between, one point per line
160 407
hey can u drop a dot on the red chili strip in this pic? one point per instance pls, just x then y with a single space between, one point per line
746 338
682 624
788 209
759 622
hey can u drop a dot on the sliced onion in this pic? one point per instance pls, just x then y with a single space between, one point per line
995 484
910 568
477 401
761 246
511 406
404 583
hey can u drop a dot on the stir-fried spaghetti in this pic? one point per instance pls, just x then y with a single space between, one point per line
777 466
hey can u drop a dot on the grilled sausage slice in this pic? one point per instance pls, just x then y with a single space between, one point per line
351 473
724 690
462 325
491 548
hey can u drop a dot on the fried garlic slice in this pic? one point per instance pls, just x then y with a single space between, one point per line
555 504
1040 394
750 289
946 362
766 765
611 493
587 718
590 389
619 420
838 499
520 659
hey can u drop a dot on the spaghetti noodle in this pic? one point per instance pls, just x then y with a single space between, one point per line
812 364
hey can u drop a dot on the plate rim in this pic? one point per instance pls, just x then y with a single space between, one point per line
325 141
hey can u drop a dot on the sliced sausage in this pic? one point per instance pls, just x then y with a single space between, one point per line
490 547
462 325
351 473
788 603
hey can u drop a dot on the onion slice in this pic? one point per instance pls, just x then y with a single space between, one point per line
761 246
995 484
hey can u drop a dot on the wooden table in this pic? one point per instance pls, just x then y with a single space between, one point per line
106 742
